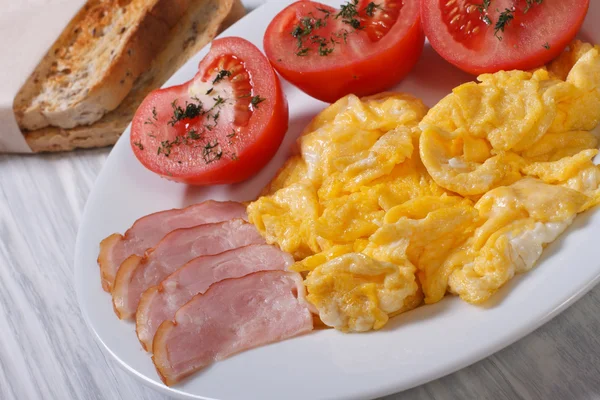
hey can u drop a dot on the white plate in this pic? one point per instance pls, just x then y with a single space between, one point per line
414 348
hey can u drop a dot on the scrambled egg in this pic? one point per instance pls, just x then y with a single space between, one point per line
388 203
356 292
515 124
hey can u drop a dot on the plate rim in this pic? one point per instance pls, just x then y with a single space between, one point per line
459 363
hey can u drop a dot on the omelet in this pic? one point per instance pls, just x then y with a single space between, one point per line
388 204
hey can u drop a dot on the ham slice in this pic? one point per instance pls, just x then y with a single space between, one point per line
137 274
159 303
232 316
147 231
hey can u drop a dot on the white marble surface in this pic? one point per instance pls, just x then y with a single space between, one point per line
47 352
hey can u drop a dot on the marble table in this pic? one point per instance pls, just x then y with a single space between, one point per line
47 351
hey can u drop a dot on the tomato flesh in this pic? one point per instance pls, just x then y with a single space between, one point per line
328 53
222 126
382 19
480 37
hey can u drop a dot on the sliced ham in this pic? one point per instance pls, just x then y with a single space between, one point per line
147 231
137 274
232 316
159 303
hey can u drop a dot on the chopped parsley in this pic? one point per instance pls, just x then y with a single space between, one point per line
504 19
212 152
483 9
221 75
327 13
218 101
194 135
348 14
154 117
305 29
256 100
371 7
191 111
530 4
324 48
166 146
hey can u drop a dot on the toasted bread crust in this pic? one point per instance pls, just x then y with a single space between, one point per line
205 18
95 61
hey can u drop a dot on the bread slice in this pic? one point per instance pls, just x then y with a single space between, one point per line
95 61
201 23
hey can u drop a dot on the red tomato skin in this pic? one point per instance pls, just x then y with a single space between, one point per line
268 130
363 77
431 17
254 158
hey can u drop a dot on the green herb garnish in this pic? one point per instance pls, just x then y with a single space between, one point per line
530 4
348 14
503 20
191 111
256 100
371 7
210 152
221 75
483 8
194 135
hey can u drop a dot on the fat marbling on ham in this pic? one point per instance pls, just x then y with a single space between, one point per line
232 316
159 303
137 274
147 231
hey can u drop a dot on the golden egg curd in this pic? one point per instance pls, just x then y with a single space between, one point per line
388 204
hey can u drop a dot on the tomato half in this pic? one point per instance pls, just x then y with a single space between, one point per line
222 126
481 36
363 48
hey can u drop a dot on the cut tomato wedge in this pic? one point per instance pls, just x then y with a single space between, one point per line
363 48
222 126
492 35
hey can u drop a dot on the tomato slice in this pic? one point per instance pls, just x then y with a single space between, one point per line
363 48
222 126
481 36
